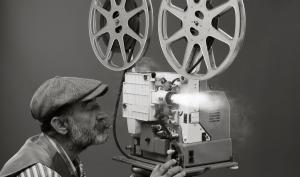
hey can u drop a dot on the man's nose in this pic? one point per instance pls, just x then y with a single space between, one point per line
103 118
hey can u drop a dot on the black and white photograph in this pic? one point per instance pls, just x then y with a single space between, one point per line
149 88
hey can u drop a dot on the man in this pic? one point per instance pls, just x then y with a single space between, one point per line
71 120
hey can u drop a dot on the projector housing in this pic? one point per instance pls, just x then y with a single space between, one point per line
161 130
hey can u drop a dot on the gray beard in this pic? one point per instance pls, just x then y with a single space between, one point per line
81 138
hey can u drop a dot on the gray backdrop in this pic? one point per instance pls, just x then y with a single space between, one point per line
40 39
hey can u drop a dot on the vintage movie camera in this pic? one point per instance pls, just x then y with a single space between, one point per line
171 115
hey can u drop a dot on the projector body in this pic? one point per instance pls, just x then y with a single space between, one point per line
162 130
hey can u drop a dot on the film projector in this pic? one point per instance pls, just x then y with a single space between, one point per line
171 115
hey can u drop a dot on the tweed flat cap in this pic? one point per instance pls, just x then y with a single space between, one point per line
60 91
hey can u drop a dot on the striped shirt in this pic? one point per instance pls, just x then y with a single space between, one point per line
38 170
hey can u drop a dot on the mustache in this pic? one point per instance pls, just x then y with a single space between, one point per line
101 126
102 121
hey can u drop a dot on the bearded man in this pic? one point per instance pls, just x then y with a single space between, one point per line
71 120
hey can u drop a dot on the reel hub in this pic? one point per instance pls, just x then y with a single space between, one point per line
133 23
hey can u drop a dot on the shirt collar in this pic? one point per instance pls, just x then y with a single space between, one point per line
67 159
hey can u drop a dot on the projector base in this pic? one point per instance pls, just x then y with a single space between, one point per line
148 165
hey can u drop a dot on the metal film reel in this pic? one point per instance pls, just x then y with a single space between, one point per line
112 21
198 26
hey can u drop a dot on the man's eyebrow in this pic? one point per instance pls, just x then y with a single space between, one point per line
86 103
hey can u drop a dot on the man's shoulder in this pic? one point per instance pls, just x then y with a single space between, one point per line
37 170
32 152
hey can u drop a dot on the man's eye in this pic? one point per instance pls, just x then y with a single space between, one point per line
94 107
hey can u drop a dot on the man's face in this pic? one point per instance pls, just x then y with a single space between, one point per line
88 125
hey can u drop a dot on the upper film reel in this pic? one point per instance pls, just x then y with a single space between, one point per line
199 27
117 24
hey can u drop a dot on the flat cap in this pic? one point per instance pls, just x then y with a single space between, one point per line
59 91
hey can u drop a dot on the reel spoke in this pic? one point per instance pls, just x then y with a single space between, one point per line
113 3
223 8
190 3
101 32
221 35
178 12
203 2
209 60
101 10
108 50
122 3
122 48
176 36
187 55
135 11
133 34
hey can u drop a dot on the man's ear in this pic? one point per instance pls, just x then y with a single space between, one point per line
59 125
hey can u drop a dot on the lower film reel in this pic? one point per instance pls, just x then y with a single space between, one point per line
200 28
120 26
